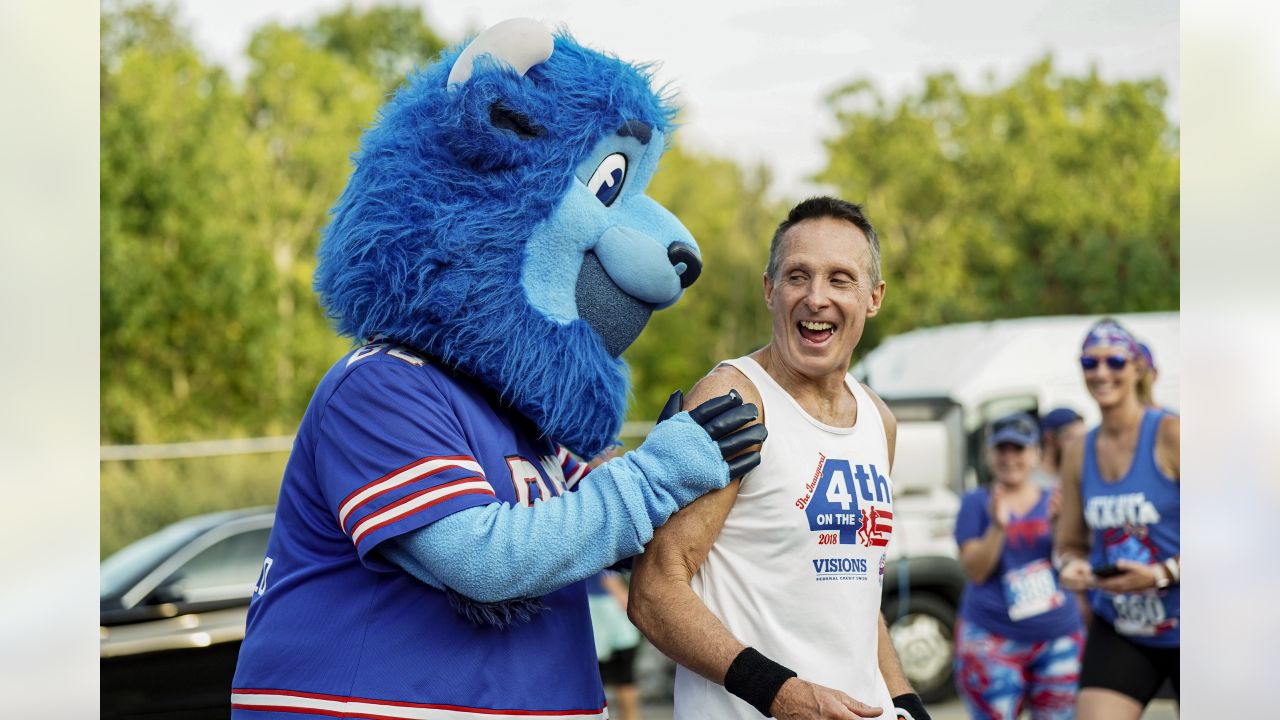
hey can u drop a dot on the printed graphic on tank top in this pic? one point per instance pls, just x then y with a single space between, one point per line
1135 518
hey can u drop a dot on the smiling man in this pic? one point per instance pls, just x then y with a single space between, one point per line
767 592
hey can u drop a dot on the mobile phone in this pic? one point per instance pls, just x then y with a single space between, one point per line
1106 571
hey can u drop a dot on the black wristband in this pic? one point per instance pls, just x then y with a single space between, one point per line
911 704
756 679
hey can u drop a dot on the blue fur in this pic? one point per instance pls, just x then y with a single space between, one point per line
428 241
564 539
500 614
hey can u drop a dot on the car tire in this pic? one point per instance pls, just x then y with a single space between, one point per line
922 627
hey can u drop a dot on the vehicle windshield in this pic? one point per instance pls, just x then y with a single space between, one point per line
127 565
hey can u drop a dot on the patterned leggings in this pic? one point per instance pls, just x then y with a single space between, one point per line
996 677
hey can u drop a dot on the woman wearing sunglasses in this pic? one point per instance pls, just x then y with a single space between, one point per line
1019 637
1118 534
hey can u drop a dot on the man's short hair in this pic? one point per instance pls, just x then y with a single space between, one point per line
820 207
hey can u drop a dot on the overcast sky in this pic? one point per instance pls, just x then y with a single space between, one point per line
752 74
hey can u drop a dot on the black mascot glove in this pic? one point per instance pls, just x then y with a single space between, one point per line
721 417
910 707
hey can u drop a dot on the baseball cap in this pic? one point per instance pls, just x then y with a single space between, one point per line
1018 428
1056 418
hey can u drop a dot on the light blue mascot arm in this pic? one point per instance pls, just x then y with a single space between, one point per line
610 517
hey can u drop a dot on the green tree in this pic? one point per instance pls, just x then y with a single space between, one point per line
384 41
310 92
213 199
1053 194
307 106
181 206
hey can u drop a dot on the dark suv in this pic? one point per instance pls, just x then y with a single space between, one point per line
173 609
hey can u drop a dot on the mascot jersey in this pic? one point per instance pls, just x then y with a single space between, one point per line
389 444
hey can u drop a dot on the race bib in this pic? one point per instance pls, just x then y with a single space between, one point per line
1031 590
1140 614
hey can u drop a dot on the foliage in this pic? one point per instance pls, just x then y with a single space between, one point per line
1053 194
139 498
212 201
385 41
184 260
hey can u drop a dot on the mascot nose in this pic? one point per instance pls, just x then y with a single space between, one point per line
644 268
685 261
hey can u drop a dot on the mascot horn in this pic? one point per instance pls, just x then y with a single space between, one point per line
495 253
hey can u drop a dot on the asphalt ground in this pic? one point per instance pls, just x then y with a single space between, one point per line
952 710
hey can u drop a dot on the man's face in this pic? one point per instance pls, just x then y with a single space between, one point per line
821 295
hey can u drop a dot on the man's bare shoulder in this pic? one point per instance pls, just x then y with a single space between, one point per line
719 381
890 422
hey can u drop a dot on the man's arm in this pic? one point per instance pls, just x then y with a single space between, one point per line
890 668
890 424
887 656
664 607
662 602
904 697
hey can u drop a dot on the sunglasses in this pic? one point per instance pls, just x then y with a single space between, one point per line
1115 362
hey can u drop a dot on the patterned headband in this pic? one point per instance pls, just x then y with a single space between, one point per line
1110 332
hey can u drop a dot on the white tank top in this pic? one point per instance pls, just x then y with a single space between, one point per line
798 568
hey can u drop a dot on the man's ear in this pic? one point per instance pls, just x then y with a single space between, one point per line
877 297
768 290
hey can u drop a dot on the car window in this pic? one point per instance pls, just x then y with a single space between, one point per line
225 570
127 565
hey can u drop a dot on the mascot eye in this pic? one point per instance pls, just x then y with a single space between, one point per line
606 181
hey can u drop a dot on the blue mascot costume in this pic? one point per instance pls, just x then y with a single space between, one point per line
495 253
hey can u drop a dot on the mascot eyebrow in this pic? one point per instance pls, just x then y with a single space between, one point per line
520 248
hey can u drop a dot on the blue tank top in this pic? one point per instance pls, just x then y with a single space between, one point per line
1135 518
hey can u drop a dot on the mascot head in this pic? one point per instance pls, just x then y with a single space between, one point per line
496 220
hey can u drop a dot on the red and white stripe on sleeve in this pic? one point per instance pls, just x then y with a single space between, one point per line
573 470
361 512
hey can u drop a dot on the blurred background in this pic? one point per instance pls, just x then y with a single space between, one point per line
1020 160
1015 184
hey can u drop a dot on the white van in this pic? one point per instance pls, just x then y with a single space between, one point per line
944 385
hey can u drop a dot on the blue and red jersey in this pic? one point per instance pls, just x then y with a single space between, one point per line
389 444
